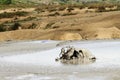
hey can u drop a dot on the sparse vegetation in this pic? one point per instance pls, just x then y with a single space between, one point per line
54 14
115 36
101 9
9 27
15 26
61 8
33 26
5 1
27 19
49 25
11 15
68 14
2 29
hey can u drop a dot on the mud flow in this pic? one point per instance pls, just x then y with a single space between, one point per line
35 60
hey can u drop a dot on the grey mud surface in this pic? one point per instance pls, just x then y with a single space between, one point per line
35 60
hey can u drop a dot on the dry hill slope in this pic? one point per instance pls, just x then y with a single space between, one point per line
104 25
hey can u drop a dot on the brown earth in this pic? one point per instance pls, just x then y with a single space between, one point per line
76 26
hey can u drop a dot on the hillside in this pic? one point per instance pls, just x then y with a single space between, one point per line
61 1
56 22
78 26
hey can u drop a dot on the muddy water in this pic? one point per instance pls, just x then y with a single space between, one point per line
35 60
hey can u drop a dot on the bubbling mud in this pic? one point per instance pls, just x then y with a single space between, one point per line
72 55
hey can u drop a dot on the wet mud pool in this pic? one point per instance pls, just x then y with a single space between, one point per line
35 60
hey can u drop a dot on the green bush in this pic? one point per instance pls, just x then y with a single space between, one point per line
5 1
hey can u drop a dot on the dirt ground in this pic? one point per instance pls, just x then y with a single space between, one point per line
78 26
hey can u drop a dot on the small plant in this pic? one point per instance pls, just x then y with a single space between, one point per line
54 27
49 25
68 14
22 13
10 15
5 1
115 36
101 9
15 26
39 10
33 26
28 18
2 29
70 8
54 14
61 8
52 10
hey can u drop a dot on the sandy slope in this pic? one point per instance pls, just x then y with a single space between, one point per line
104 25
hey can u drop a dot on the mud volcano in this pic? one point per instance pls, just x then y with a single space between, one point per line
73 55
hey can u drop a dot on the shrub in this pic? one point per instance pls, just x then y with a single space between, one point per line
101 9
70 8
61 8
10 15
28 19
15 26
52 9
54 14
39 10
2 29
33 26
49 25
68 14
5 1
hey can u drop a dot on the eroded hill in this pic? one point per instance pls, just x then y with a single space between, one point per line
60 23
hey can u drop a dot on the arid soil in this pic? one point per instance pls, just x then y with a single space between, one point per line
63 25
